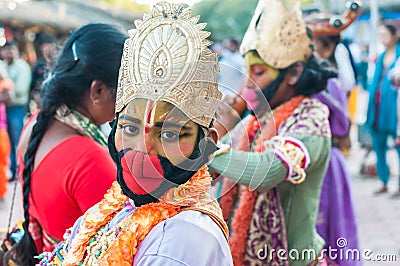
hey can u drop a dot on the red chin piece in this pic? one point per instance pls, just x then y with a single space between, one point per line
142 172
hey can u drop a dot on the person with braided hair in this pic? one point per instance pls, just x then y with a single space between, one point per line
66 167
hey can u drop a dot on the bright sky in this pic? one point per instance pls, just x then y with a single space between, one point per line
151 2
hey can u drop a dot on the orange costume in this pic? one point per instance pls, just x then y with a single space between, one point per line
5 86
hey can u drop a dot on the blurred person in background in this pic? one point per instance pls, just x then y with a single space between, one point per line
362 69
231 83
19 71
47 48
217 48
336 216
336 51
382 117
394 76
232 69
65 166
6 86
341 59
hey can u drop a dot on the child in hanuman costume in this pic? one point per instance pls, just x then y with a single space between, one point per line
158 212
282 155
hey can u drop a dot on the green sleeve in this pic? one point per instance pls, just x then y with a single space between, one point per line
225 139
263 171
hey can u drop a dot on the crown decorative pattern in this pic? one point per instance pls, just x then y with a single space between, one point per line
166 58
277 34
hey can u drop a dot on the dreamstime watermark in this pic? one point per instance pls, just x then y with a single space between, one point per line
341 253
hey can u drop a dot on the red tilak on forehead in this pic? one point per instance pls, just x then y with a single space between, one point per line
149 118
149 109
146 129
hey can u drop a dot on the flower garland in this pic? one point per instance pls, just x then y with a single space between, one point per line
230 192
243 215
94 244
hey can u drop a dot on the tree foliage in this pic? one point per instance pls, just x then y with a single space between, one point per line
230 18
226 18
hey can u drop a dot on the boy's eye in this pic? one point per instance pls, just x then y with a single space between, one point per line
169 136
259 73
129 130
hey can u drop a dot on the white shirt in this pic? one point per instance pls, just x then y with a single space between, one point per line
345 70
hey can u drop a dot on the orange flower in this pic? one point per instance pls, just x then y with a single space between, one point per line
191 191
107 208
133 229
137 226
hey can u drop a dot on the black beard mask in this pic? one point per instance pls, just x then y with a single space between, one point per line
173 175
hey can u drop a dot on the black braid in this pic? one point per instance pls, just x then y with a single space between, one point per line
93 52
26 248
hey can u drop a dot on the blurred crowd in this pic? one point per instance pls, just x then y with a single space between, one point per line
51 106
21 89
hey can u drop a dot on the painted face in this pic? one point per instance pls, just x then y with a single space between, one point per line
260 74
156 148
265 80
157 129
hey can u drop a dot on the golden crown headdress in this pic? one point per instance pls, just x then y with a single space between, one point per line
277 34
166 58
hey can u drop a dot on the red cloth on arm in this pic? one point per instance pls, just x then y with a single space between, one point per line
70 179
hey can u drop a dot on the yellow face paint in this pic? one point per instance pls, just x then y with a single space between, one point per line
252 59
157 128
